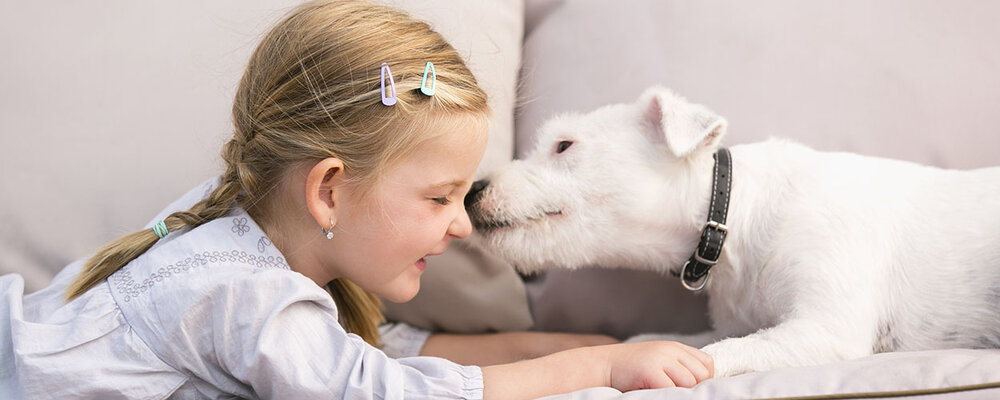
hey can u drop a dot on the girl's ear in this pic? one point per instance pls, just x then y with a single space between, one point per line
325 186
687 128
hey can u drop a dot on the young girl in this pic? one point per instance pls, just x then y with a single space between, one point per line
357 134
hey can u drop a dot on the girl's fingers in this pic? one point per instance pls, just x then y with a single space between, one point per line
696 367
702 357
658 381
680 375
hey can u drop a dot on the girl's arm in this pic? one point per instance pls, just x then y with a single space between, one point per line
506 347
625 367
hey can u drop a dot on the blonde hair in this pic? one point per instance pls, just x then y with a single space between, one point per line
311 91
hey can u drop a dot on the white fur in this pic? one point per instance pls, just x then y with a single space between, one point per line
829 255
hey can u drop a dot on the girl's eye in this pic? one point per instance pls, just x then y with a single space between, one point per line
562 146
442 201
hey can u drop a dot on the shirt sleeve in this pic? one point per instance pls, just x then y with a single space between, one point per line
279 338
400 340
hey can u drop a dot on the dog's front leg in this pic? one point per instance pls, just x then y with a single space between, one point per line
694 340
793 343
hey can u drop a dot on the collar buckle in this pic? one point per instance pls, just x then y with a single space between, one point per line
708 237
717 226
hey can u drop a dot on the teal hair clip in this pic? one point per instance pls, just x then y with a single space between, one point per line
160 229
388 100
434 79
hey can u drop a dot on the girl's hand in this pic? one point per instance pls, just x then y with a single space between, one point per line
629 366
660 364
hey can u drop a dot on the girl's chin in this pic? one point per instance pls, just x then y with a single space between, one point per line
402 294
405 286
398 298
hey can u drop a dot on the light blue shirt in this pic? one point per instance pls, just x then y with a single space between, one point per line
213 312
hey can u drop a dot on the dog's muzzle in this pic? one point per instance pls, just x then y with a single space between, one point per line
477 216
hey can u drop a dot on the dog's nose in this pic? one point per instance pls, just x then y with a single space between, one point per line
475 192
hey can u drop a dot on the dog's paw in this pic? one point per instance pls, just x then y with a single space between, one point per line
728 361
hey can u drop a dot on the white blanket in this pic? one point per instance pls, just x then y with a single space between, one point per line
950 374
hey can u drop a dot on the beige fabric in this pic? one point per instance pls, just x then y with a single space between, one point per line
111 110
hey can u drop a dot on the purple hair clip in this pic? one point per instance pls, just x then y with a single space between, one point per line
388 100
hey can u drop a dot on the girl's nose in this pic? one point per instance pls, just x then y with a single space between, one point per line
460 227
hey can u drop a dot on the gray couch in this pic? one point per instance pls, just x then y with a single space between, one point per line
109 111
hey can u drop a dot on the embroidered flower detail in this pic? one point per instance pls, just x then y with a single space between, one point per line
130 288
240 226
263 243
209 187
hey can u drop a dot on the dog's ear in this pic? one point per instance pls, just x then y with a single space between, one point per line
687 128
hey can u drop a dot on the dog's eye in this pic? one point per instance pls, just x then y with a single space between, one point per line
563 145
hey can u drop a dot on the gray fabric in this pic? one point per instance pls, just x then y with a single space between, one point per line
616 302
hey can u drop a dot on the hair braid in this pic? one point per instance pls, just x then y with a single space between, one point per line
115 255
360 311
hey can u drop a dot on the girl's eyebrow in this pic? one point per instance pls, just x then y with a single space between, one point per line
453 183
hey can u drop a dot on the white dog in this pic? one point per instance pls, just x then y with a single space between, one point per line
828 256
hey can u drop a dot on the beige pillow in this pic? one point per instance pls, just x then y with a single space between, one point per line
112 110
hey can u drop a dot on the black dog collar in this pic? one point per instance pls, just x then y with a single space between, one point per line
694 274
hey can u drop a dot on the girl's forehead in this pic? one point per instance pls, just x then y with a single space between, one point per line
449 158
450 137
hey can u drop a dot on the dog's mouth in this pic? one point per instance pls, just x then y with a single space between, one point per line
493 224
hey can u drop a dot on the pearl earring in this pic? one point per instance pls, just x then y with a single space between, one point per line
328 232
